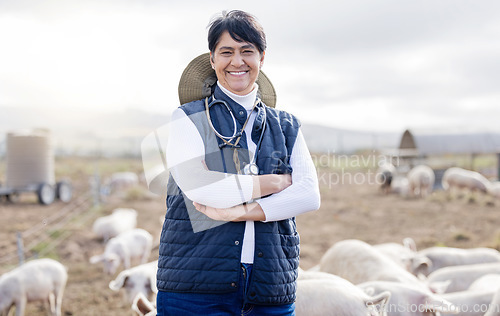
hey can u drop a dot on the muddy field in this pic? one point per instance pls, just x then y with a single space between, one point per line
349 209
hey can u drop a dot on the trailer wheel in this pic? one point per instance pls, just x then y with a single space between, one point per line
46 194
64 191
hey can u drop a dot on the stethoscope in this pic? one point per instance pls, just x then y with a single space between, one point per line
250 168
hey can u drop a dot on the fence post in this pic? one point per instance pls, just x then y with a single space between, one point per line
96 185
498 166
20 248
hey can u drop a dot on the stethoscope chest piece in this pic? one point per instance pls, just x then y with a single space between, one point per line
251 169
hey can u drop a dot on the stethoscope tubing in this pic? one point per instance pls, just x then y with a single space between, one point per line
235 130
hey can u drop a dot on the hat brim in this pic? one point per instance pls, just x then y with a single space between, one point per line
198 77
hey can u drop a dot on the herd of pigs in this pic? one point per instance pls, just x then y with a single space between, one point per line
352 278
355 278
125 245
419 181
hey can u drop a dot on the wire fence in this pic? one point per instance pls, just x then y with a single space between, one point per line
42 238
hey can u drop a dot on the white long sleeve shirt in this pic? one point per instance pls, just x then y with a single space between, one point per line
221 190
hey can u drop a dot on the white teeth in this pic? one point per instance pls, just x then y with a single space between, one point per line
237 73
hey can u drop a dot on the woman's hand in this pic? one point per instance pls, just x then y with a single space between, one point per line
282 181
242 212
218 214
270 183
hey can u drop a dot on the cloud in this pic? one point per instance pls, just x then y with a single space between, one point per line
349 64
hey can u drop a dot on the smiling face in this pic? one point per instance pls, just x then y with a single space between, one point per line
236 64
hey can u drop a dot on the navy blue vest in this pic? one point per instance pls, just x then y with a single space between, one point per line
199 255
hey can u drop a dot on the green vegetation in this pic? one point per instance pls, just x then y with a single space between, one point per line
71 167
54 234
461 236
135 193
496 242
45 250
363 161
485 164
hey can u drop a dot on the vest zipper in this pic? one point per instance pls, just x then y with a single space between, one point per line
244 273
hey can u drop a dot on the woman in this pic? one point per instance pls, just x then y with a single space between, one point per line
240 172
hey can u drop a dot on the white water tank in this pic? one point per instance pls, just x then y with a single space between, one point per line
30 158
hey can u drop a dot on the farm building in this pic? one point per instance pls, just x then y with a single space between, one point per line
474 151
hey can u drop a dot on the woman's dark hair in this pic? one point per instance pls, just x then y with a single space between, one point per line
242 26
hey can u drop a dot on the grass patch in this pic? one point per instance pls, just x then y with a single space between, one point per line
135 193
477 162
40 246
55 233
461 236
44 249
496 242
364 161
77 167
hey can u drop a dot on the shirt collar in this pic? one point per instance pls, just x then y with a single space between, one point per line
247 101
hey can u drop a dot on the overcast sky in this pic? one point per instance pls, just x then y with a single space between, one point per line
368 65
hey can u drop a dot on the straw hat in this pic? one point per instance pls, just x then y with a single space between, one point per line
199 77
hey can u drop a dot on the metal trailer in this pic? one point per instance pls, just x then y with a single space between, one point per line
45 192
30 167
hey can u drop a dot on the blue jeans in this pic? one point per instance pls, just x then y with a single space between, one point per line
185 304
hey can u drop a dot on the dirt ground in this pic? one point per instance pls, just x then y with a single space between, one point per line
348 210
